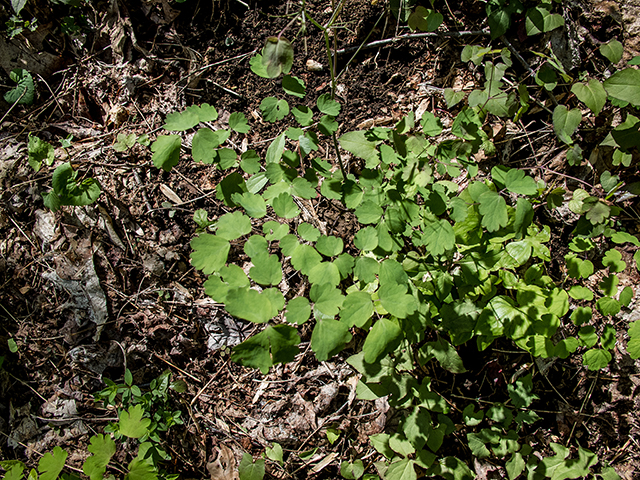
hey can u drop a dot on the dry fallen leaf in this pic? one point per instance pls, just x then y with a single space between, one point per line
224 465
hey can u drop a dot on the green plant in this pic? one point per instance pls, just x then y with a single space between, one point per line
23 92
141 417
69 190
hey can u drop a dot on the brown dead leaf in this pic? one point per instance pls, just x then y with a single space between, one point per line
223 467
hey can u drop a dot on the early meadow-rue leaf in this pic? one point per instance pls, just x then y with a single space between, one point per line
284 206
103 448
273 345
233 225
132 423
396 301
298 310
209 252
517 182
166 151
266 269
595 359
23 92
253 306
438 237
277 56
52 463
328 106
383 338
293 86
357 308
238 122
328 338
493 209
273 109
303 115
358 144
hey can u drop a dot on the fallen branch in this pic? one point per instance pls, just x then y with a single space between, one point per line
411 36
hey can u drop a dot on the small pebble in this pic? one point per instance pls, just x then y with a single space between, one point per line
314 66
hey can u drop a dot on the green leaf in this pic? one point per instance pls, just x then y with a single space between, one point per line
477 445
329 246
253 306
23 92
592 94
166 151
141 469
284 206
384 337
298 310
541 20
266 269
238 122
452 468
626 296
357 143
609 285
517 182
613 259
248 470
190 117
275 453
438 237
579 292
328 106
366 239
254 205
424 20
277 56
328 126
624 86
209 252
327 299
608 306
366 269
293 86
273 109
273 345
308 232
401 470
132 424
493 209
357 309
305 258
395 301
233 225
250 162
633 346
521 393
515 466
258 67
328 338
124 142
274 230
595 359
471 418
51 464
303 115
368 212
351 471
18 5
431 125
565 122
452 97
103 448
446 355
39 151
14 470
612 50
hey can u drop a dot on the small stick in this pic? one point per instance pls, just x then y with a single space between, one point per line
178 368
411 36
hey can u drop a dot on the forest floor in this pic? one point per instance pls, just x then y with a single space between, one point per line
123 262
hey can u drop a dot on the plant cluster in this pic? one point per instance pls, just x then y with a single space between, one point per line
445 254
142 418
